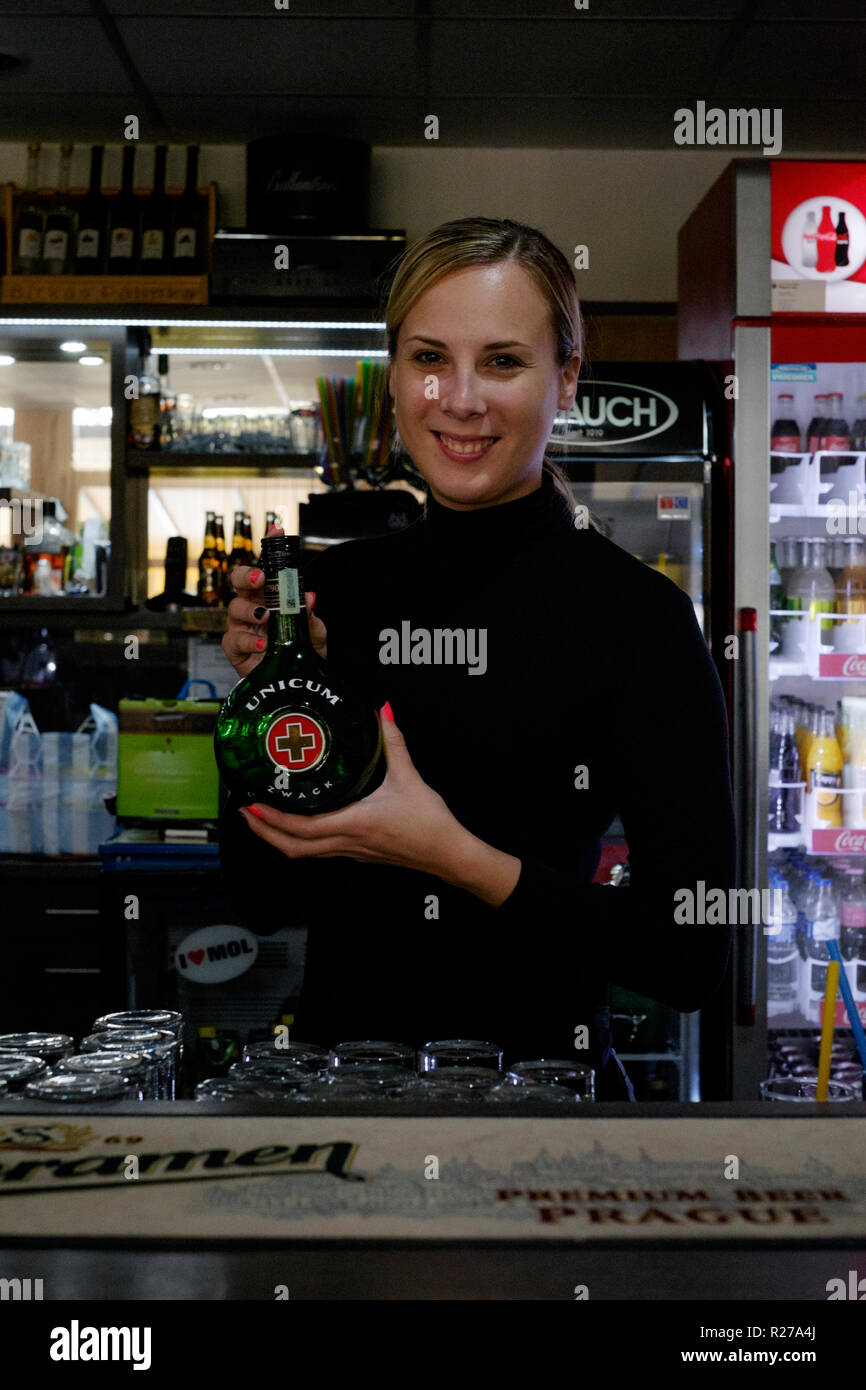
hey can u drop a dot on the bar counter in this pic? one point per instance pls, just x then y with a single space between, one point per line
208 1200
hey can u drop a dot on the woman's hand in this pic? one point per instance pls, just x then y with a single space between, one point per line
404 822
246 637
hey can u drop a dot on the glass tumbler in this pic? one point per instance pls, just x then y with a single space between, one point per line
804 1088
315 1059
511 1093
135 1072
168 1020
159 1047
574 1076
281 1081
17 1068
457 1083
51 1047
460 1052
379 1054
70 1089
360 1082
224 1088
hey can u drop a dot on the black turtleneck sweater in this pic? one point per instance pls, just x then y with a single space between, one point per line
593 661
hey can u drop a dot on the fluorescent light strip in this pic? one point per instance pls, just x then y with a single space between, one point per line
273 352
188 323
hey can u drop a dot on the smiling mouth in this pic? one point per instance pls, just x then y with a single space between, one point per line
465 448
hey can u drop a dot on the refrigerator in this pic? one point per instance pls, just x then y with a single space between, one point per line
772 295
645 450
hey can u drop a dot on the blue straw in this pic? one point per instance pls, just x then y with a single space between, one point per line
850 1006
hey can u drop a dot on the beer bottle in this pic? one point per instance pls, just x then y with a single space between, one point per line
209 572
292 734
238 556
251 556
222 558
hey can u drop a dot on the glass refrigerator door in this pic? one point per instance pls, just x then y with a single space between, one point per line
660 523
663 524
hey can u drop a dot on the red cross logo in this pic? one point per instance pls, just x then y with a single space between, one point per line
295 742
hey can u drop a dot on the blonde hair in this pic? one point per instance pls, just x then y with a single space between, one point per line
472 241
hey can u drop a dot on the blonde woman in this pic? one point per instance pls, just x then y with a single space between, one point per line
457 899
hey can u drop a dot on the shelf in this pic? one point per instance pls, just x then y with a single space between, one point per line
56 614
169 460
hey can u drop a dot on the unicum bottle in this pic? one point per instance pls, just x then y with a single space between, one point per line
291 735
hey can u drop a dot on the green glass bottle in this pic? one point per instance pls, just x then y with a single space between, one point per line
290 735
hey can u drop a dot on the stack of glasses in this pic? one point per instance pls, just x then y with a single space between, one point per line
451 1070
134 1054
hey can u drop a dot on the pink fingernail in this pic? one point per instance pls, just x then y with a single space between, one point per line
311 595
260 643
254 811
387 713
255 576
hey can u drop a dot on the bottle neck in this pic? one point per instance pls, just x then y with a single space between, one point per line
288 628
96 155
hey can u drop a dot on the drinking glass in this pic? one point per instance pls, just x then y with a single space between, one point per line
574 1076
156 1044
271 1076
4 1088
132 1068
17 1068
51 1047
509 1093
380 1054
224 1088
300 1054
460 1052
70 1089
457 1083
360 1081
168 1019
803 1088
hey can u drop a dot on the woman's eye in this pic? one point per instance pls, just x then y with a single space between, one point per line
503 357
424 355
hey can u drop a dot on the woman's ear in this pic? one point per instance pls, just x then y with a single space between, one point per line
568 382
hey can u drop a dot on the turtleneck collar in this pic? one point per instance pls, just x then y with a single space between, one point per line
530 518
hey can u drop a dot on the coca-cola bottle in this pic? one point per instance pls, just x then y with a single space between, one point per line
784 768
809 255
836 432
841 240
816 424
826 241
785 434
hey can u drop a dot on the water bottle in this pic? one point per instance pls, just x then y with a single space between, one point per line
782 954
852 933
822 926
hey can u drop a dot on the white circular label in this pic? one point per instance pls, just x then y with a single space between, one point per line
215 953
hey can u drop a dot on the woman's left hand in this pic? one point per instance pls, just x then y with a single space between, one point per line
403 822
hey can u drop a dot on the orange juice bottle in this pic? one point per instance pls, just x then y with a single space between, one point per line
824 771
803 734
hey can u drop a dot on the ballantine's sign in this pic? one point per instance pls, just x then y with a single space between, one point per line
839 666
296 683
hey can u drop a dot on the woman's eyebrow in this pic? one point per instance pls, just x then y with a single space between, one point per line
488 347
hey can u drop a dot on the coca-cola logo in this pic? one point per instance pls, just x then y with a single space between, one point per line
852 840
854 666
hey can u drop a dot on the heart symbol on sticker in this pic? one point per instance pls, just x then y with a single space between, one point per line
196 957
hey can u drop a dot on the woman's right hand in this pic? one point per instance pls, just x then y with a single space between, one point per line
246 638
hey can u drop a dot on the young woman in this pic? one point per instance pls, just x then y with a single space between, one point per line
456 900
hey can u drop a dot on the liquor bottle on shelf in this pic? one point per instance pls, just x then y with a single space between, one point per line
123 222
167 403
238 555
187 243
30 227
251 556
144 412
90 238
270 520
220 538
156 220
57 245
290 733
209 571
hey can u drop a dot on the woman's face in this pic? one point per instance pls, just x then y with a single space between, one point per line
476 385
